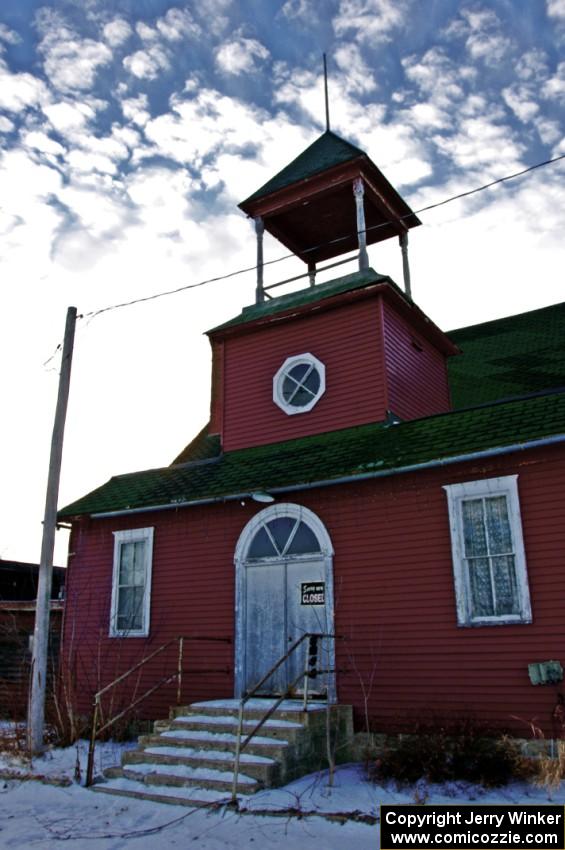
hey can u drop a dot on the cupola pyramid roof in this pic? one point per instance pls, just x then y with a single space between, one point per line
310 206
327 151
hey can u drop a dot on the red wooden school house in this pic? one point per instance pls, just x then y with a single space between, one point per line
363 474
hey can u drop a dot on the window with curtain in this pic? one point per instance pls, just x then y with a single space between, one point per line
489 562
131 583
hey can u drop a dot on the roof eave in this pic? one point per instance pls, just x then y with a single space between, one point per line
449 460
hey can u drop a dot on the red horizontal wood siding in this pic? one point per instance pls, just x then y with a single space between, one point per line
416 370
347 341
394 598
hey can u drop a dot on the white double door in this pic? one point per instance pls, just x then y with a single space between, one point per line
284 600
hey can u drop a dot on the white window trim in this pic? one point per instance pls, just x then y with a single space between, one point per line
133 535
456 493
278 380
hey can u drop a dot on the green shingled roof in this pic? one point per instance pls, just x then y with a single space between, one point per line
327 151
514 356
203 447
376 448
309 295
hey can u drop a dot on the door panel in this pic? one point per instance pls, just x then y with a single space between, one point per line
306 587
265 625
284 600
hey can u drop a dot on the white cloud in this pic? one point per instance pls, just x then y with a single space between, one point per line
76 250
71 62
484 36
146 64
370 20
240 55
116 32
486 39
483 144
126 135
213 15
8 35
69 116
427 115
24 182
532 65
305 10
392 145
520 101
438 76
480 19
358 75
100 213
41 142
6 126
492 48
87 161
135 109
549 131
161 198
554 88
20 91
177 24
145 32
556 9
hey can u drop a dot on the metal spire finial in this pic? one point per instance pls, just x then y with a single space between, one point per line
326 93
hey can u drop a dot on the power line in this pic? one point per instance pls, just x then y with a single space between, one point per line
427 208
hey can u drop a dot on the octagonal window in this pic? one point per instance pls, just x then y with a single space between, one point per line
299 383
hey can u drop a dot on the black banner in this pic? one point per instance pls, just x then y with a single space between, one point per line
469 826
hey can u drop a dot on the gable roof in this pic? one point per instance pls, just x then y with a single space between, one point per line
514 356
355 453
327 151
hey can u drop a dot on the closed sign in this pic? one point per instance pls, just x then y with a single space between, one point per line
313 593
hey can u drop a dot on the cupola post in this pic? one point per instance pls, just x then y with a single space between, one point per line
359 192
259 230
403 239
312 273
329 201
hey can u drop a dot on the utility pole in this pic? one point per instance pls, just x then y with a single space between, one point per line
36 710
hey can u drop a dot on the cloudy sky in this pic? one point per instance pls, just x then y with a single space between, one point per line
130 129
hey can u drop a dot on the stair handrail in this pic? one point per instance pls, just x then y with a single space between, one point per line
178 675
311 670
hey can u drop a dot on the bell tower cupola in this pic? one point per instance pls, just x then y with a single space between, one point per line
330 200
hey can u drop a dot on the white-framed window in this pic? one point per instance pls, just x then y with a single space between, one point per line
131 583
489 562
299 383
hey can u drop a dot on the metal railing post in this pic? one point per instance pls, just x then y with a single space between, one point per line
92 745
237 752
306 679
179 670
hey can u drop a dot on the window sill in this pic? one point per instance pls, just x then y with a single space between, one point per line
496 621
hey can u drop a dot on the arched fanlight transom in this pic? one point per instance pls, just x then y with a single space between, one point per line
283 536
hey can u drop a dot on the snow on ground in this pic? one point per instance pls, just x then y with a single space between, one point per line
35 815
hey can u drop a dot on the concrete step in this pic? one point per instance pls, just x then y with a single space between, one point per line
261 768
189 759
193 796
290 710
224 741
184 776
273 728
